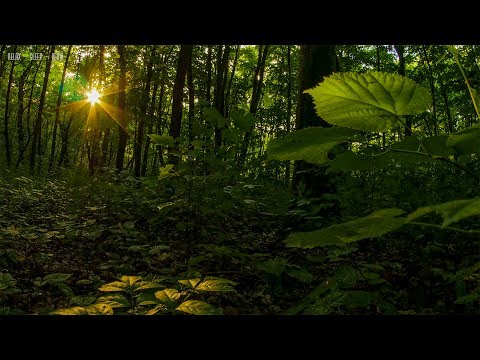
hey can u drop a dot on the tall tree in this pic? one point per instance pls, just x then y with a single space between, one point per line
255 102
316 62
431 82
191 98
21 108
209 76
151 115
177 100
229 87
8 149
289 105
137 152
38 123
95 155
400 49
220 83
122 119
57 110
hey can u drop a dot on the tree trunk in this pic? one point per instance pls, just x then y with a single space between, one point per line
29 106
400 49
431 82
255 102
137 151
95 159
122 119
227 96
177 95
57 111
107 132
7 112
21 109
191 99
150 130
209 76
38 123
219 95
64 134
316 62
289 107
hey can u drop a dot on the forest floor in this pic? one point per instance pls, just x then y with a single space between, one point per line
61 241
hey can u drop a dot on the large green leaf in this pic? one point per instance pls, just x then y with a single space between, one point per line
349 161
168 296
311 144
114 301
197 307
372 101
216 284
452 211
56 278
374 225
126 283
190 283
95 309
466 141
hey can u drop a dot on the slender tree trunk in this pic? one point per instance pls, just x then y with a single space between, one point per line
177 100
447 107
289 107
122 120
219 95
141 120
38 123
400 49
431 81
150 130
64 134
21 108
209 76
256 92
8 149
191 99
229 87
29 106
377 66
57 111
106 120
160 121
95 160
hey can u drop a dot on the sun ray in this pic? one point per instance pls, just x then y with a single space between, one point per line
111 111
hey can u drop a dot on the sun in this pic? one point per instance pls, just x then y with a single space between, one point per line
93 96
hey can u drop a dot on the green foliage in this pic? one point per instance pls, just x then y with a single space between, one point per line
372 101
452 211
311 144
374 225
142 297
466 141
164 140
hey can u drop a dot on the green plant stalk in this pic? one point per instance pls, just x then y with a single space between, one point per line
455 55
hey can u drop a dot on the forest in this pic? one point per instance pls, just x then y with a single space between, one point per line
239 179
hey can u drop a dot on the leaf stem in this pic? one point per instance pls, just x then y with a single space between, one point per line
444 227
441 158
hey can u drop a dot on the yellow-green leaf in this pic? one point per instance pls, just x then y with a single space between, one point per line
372 101
197 307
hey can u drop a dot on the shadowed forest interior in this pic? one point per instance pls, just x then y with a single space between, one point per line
239 179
